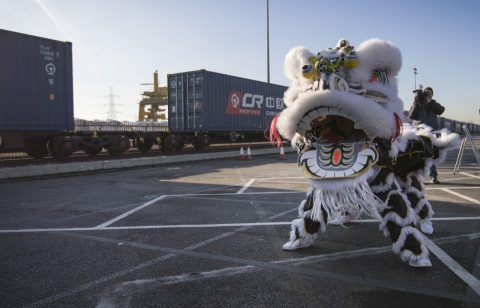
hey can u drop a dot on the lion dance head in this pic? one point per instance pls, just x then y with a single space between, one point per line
339 101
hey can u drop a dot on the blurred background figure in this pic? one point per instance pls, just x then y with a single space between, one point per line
425 110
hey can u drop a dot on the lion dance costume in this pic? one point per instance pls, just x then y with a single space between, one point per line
344 116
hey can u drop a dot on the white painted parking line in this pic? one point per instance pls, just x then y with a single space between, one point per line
468 278
454 179
138 208
454 187
461 196
470 175
324 275
102 280
433 219
284 182
245 193
454 218
125 290
146 227
246 186
282 179
192 226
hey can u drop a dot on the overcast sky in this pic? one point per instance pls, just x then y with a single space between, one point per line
120 44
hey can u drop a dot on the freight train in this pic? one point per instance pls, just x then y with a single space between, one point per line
36 106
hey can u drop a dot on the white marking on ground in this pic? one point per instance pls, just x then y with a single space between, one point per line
453 187
470 175
454 179
431 198
242 200
94 283
138 208
252 224
121 294
245 193
468 278
455 218
283 179
194 226
461 196
246 186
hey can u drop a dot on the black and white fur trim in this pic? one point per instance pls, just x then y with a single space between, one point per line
410 189
394 216
386 185
424 203
301 212
406 255
298 225
418 174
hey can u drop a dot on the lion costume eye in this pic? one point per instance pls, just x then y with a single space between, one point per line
379 76
307 71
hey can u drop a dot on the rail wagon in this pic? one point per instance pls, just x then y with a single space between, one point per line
37 117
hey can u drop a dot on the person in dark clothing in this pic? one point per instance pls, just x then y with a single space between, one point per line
425 110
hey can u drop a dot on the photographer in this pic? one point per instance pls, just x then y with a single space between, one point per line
425 111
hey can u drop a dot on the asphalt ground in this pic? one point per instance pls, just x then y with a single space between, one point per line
210 234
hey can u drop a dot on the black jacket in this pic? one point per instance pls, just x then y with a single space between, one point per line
426 113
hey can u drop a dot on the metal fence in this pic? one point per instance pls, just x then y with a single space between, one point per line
120 126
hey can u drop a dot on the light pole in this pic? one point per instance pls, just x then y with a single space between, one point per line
268 45
415 77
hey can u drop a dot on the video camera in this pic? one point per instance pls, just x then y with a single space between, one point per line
420 95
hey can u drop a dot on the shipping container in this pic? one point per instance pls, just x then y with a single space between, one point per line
36 86
204 101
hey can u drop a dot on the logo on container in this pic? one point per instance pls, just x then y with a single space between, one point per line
248 104
50 68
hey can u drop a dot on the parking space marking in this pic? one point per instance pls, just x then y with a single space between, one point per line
454 218
151 227
146 204
280 179
68 293
470 175
455 179
193 226
243 200
138 208
106 226
245 193
94 283
434 219
454 187
124 291
468 278
448 190
346 278
246 186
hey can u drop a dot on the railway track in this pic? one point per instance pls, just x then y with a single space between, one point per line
8 160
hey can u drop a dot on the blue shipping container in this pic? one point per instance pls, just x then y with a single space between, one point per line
204 101
36 84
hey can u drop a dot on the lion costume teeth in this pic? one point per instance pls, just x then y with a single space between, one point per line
344 116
